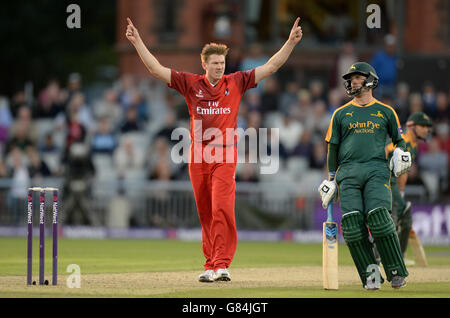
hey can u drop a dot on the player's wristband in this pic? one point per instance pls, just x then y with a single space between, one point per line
331 175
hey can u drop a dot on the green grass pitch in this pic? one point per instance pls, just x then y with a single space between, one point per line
169 269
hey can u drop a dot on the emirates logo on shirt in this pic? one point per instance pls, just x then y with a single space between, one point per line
213 109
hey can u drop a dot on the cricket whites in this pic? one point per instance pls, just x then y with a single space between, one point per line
330 252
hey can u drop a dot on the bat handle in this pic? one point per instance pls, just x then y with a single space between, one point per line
330 212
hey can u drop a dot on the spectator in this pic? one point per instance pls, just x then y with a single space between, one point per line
74 86
316 90
429 100
289 97
254 59
304 147
18 100
162 171
20 182
76 132
49 144
19 137
304 107
335 100
434 165
138 102
6 119
415 103
49 103
25 122
319 156
108 107
78 105
401 102
104 140
126 87
131 122
319 119
252 101
38 169
169 126
3 169
342 63
385 63
155 93
270 95
254 119
159 152
247 171
128 157
387 99
290 131
442 108
233 63
443 138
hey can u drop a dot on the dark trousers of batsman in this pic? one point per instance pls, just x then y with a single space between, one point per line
365 200
401 214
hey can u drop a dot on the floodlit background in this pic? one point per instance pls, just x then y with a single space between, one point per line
79 111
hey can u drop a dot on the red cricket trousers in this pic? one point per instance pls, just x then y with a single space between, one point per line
214 190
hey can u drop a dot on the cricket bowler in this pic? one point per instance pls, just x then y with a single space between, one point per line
359 175
213 101
418 127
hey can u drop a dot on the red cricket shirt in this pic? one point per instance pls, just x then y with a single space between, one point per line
213 109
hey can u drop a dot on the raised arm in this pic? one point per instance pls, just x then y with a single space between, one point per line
152 64
276 61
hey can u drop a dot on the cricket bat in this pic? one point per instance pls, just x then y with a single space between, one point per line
330 252
416 246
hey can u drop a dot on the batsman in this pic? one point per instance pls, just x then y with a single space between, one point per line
418 127
359 175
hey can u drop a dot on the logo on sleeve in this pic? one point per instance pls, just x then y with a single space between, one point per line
199 94
227 92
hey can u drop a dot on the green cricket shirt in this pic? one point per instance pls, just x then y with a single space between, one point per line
361 131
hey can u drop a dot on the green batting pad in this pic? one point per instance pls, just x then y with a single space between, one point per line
385 236
356 236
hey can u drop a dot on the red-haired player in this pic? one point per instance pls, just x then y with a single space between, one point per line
213 100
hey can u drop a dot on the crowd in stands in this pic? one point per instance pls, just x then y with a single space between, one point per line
127 128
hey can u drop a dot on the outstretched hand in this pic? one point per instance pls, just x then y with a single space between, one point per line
296 32
132 33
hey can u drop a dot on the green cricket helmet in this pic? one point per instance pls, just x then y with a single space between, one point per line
363 68
420 118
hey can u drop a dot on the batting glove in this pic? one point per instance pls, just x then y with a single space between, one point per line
327 191
400 162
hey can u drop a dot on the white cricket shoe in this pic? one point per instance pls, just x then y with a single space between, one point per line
222 275
207 276
372 286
